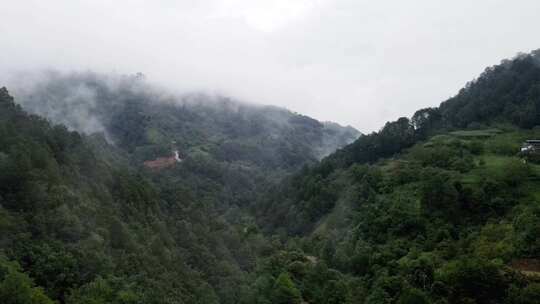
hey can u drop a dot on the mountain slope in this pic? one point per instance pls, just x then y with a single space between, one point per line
88 228
504 94
424 211
145 120
87 222
439 208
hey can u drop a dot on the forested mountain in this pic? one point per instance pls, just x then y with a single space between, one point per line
145 121
438 208
83 221
87 230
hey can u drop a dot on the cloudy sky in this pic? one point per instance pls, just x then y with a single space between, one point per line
351 61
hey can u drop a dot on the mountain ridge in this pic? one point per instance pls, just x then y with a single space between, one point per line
126 108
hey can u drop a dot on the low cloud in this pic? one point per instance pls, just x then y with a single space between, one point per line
353 62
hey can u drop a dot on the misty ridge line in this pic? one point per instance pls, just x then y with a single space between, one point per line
87 101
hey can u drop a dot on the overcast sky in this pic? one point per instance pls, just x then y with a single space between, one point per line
351 61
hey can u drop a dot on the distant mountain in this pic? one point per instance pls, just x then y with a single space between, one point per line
146 121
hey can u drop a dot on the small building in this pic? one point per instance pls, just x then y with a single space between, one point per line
531 146
163 162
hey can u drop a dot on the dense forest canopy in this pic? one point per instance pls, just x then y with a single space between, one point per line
436 208
86 222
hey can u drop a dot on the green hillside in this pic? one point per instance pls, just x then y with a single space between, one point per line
79 225
83 221
449 221
438 208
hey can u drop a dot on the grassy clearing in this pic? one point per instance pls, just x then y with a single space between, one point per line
476 133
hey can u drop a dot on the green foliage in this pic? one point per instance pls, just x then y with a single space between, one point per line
17 288
432 209
527 226
439 193
413 296
104 291
472 279
284 291
527 295
495 241
429 212
88 227
514 172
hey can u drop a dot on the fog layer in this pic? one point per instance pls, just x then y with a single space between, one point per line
354 62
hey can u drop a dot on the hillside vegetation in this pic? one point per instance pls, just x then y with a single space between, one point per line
145 121
436 208
439 208
89 230
83 221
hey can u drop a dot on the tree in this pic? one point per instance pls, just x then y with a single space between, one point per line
527 295
335 292
413 296
473 278
17 288
527 226
438 192
425 120
285 291
515 172
101 291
